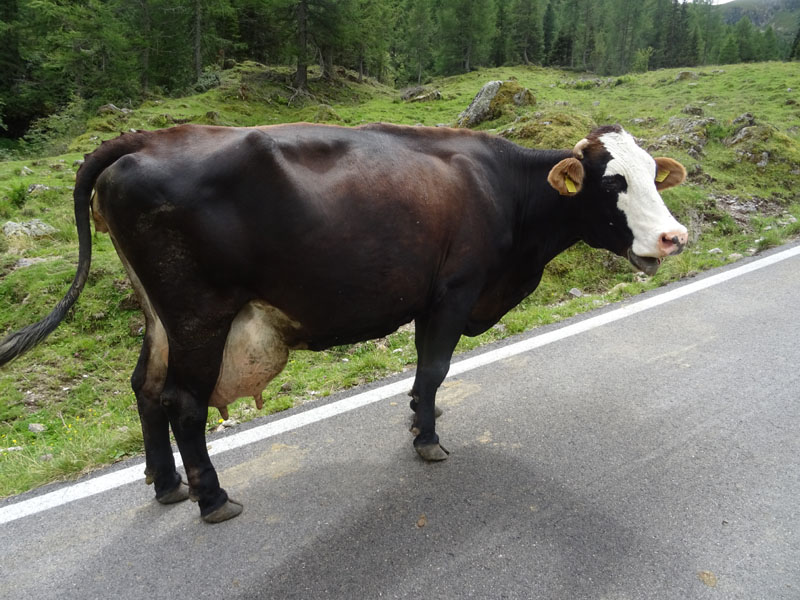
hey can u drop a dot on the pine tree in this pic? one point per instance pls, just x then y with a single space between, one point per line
528 34
416 45
794 51
548 30
465 30
729 54
502 43
745 36
769 48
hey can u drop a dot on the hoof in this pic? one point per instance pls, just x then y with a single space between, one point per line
230 509
179 494
431 452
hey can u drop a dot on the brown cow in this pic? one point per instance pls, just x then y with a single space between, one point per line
245 243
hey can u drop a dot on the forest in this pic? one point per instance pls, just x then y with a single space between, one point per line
54 53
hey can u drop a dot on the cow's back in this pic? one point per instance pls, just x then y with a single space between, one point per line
350 232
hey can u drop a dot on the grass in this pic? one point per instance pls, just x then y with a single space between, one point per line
66 407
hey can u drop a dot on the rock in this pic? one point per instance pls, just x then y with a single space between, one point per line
36 188
109 108
764 160
735 256
325 113
46 457
422 94
689 134
690 109
492 100
22 263
26 171
575 293
745 120
34 228
715 251
686 76
36 428
409 93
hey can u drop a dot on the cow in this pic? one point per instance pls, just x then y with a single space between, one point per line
244 243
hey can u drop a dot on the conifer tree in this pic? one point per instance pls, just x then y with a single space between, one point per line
794 50
528 34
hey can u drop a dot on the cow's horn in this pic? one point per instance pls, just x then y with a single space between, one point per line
577 151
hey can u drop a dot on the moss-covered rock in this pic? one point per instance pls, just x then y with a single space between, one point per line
326 114
493 100
550 130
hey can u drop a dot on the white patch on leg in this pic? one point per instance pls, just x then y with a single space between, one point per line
647 215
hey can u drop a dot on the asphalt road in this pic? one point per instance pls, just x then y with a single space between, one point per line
655 456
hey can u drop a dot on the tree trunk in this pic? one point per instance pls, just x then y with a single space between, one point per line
326 57
198 64
301 75
147 26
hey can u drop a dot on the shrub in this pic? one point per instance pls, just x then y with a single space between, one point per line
18 195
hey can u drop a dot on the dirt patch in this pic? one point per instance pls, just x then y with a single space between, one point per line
744 209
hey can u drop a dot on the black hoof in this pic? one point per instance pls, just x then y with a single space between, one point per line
230 509
432 452
179 494
430 449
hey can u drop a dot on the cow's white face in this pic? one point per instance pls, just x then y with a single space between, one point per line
623 209
656 233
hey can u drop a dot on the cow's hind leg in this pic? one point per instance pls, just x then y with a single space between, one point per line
160 464
147 382
191 376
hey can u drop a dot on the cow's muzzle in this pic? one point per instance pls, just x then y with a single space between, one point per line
647 264
672 242
669 243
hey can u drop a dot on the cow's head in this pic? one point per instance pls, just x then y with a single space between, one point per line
621 184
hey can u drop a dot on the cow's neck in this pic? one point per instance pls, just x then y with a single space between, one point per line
546 223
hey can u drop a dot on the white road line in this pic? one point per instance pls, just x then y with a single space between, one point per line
122 477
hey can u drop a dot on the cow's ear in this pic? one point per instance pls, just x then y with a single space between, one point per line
669 173
567 177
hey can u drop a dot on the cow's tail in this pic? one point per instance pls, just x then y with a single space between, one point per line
95 163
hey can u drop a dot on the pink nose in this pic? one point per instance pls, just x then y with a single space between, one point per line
672 242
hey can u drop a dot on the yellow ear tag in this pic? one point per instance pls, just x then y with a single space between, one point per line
662 175
570 184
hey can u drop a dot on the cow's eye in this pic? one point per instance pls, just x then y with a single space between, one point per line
614 184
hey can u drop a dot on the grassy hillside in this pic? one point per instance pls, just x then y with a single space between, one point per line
67 407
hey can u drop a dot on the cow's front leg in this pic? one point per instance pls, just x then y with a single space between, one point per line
187 416
437 336
414 404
